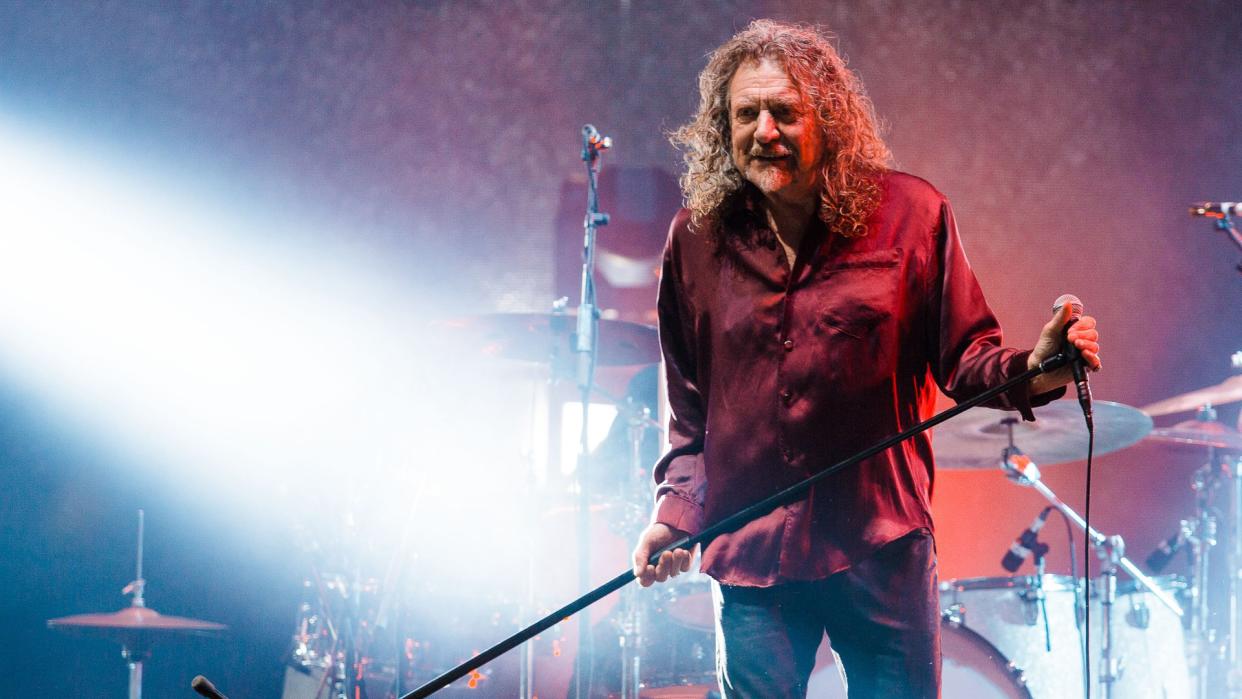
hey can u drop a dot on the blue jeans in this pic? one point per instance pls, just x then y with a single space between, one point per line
882 617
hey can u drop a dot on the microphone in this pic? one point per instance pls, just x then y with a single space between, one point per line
1080 373
1216 209
1158 559
593 141
1023 546
203 686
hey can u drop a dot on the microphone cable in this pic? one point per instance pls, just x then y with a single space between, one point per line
1087 545
1086 567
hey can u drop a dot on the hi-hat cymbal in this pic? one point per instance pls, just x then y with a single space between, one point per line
1227 391
551 337
134 621
1199 433
974 439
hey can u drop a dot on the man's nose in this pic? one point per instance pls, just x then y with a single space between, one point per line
766 131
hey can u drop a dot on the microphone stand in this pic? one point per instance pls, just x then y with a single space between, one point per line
1225 223
784 497
586 346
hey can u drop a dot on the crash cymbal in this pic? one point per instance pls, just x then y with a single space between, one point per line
1199 433
550 337
974 440
133 621
1227 391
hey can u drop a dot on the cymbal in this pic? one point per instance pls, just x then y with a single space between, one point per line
974 439
1199 433
550 337
1227 391
134 621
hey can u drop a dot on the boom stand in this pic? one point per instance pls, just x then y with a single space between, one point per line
1111 549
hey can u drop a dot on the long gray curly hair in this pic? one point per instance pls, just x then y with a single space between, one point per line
844 113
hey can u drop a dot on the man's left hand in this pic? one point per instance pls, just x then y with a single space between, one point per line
1082 334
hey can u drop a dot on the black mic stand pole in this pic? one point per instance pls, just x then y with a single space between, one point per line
787 496
586 346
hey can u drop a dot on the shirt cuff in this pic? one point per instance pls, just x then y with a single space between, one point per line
1020 396
679 513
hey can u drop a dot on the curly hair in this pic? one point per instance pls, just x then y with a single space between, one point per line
712 184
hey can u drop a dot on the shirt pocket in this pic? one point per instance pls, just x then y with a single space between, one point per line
858 293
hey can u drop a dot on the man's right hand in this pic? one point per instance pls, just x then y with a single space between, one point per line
655 537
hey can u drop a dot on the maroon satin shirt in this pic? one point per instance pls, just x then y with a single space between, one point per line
775 373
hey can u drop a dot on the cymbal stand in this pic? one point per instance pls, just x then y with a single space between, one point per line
1201 536
634 604
135 656
1111 549
586 346
1234 464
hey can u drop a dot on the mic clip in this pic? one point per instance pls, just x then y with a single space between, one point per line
1055 362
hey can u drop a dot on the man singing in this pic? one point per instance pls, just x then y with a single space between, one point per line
811 301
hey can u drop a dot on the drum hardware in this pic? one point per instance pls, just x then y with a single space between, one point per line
1058 435
999 609
1200 433
1234 678
1207 645
1111 551
1223 393
136 627
1036 595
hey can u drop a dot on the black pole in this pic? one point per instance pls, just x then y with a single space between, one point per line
728 524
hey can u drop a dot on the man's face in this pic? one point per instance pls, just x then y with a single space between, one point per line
777 145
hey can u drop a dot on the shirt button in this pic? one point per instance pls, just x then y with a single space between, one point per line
788 345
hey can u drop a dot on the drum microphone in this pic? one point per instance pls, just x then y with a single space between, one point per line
1080 373
203 686
1216 209
1158 559
1023 546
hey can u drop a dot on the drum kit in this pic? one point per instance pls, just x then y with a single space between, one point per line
1015 636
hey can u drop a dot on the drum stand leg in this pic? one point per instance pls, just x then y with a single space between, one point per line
631 644
1235 571
134 659
1202 539
634 614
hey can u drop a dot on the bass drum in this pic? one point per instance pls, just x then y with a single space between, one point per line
1148 637
972 668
